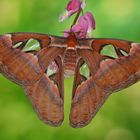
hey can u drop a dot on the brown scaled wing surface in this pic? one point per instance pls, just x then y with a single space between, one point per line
28 70
107 74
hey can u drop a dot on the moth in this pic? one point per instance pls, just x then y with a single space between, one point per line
107 74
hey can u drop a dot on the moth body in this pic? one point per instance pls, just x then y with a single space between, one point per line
70 55
69 62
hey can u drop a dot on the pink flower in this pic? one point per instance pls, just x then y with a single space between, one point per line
91 23
81 28
72 8
84 28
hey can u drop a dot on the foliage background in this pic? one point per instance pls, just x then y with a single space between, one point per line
118 119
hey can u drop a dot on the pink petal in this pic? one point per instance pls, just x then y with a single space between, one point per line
72 7
83 4
82 22
66 32
81 28
76 28
90 19
64 16
73 4
82 35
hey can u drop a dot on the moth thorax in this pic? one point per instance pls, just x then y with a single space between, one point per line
69 62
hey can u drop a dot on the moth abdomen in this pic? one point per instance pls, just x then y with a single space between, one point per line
69 62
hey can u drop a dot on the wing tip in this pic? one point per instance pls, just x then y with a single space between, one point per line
51 123
82 124
54 121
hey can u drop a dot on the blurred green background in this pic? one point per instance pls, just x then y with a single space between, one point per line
118 119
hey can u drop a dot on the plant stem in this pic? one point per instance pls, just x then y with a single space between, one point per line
76 18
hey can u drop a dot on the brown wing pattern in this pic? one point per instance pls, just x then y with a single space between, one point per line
28 70
108 75
46 101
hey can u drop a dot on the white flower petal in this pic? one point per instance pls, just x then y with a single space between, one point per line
89 32
64 16
83 4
